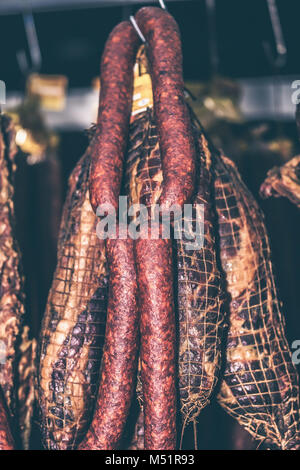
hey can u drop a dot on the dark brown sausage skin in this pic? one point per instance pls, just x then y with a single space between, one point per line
110 139
157 326
119 361
172 116
6 439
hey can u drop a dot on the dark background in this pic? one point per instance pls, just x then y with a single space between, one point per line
71 43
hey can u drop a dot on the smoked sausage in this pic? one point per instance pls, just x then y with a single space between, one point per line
157 326
172 116
119 363
110 140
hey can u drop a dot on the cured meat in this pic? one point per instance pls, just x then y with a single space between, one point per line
6 440
199 284
156 386
157 327
246 380
73 328
260 385
110 139
119 363
200 295
284 181
143 166
171 113
11 281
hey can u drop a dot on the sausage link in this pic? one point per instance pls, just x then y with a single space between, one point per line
157 326
200 298
172 117
113 117
119 361
6 440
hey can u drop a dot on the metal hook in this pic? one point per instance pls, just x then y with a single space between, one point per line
33 46
281 49
136 27
212 37
162 4
33 43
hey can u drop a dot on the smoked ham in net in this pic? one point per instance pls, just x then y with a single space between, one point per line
260 385
200 298
74 323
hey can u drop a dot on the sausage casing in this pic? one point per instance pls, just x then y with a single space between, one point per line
118 369
110 139
171 113
158 341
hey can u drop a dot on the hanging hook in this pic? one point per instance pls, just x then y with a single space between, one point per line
281 50
32 39
212 37
136 27
162 4
33 46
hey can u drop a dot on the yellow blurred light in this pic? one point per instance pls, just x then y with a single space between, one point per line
21 137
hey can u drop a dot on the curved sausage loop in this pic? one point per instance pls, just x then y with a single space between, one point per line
119 363
158 342
173 120
110 141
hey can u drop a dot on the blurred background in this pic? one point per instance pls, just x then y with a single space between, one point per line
240 61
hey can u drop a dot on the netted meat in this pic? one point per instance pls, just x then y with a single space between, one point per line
26 385
260 386
201 317
11 282
143 166
200 295
74 323
284 181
